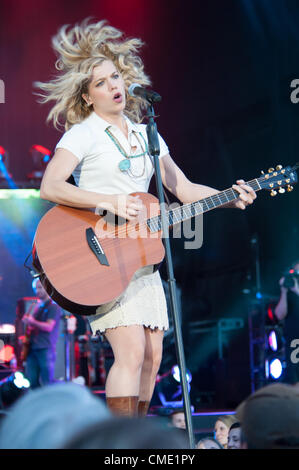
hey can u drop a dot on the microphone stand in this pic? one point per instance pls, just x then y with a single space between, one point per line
69 366
67 370
154 151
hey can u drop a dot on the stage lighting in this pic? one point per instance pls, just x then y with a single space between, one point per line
270 317
3 163
276 339
274 353
3 154
7 354
40 157
272 340
7 329
177 376
273 368
5 176
20 380
12 387
169 387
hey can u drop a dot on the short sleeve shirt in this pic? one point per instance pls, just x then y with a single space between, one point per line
99 157
44 339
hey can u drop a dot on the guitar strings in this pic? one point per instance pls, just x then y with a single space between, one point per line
233 194
130 229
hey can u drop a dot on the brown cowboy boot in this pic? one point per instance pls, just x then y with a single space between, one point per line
142 408
122 406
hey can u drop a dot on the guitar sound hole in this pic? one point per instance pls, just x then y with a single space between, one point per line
114 219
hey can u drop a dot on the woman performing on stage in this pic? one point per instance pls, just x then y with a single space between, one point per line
105 148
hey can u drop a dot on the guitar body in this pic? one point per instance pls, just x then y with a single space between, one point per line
70 271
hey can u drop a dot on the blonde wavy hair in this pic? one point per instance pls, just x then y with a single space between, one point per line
80 49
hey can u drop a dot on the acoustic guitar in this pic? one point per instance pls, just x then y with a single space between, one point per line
84 259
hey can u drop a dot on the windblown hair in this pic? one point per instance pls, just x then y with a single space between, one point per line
79 50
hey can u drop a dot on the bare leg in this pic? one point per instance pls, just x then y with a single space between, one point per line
151 364
128 346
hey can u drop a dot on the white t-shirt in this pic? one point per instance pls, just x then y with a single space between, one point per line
99 157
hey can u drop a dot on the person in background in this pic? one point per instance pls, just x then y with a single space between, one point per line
177 419
269 418
287 310
47 417
234 436
3 414
222 426
42 326
208 443
129 433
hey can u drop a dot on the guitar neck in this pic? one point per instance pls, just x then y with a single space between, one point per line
187 211
212 202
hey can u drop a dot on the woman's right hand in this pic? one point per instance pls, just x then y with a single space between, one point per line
124 205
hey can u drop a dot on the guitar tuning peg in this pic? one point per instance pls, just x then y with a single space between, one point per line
289 188
273 193
279 167
281 190
270 170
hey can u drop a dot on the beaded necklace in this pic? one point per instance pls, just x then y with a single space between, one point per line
125 165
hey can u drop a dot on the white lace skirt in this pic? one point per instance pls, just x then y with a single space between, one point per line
142 303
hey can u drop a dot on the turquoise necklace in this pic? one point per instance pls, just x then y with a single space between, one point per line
125 165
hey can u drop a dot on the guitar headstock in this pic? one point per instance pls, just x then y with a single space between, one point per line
279 179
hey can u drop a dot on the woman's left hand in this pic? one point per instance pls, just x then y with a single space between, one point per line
246 195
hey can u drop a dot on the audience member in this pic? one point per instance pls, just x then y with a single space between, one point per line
3 414
177 418
47 416
270 418
287 311
128 433
222 425
234 436
208 443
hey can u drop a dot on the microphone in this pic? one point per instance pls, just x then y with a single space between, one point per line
149 95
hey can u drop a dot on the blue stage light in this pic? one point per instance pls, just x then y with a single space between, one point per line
12 387
4 173
20 381
177 376
40 156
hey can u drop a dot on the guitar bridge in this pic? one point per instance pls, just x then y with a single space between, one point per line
95 246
